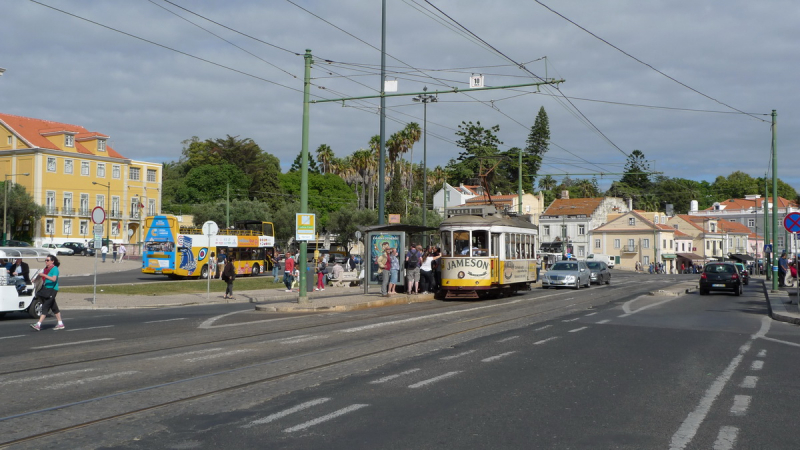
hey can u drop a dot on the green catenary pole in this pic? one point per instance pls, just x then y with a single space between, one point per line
774 197
382 157
519 188
767 257
301 258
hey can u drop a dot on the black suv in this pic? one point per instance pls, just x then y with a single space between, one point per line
77 247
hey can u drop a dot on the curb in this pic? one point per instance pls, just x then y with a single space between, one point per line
777 309
402 300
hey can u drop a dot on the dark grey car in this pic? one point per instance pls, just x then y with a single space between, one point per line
599 272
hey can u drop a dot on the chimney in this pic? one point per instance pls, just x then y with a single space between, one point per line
630 204
565 194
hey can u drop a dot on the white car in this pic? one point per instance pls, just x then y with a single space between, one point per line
58 249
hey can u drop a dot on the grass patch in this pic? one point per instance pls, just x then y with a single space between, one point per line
178 287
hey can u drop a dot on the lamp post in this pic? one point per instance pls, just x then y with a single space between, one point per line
425 99
107 202
5 202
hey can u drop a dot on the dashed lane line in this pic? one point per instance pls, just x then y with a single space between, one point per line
571 320
542 328
90 328
166 320
89 380
433 380
218 355
545 340
325 418
72 343
726 438
740 405
496 357
577 329
762 353
459 355
44 377
286 412
757 365
302 339
590 314
181 355
12 337
392 377
508 339
604 321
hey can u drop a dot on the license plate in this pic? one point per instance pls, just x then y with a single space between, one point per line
717 285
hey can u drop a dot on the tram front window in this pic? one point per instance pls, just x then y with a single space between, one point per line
480 242
447 241
461 242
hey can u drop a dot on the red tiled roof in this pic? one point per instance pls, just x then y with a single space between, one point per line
573 206
746 204
32 131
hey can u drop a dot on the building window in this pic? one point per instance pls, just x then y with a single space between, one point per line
51 163
69 166
646 260
85 168
101 145
115 210
646 243
50 202
50 226
632 221
655 219
616 243
581 230
67 227
67 203
69 140
664 243
100 201
151 177
10 140
133 174
563 231
546 229
670 243
115 172
84 205
631 244
751 223
683 246
115 228
84 227
581 251
101 170
135 208
597 243
151 207
708 245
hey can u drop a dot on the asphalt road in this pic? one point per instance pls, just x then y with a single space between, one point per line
605 367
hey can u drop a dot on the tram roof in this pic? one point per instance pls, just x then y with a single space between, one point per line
492 220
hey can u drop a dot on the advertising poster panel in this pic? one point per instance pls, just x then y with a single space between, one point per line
378 243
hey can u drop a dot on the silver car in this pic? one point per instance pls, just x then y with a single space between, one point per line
567 273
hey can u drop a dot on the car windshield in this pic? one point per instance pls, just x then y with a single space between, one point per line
594 265
565 266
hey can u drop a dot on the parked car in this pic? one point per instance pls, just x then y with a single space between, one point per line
77 247
744 273
720 276
599 272
59 249
15 243
567 273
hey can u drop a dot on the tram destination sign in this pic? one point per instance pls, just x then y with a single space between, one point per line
474 211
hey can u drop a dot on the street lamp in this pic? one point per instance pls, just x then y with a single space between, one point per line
108 213
5 200
425 99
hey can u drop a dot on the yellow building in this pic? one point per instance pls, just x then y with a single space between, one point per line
636 236
71 171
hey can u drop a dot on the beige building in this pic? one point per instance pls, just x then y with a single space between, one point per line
636 236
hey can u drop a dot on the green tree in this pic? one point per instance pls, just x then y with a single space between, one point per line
326 193
297 164
210 182
479 149
547 183
635 171
537 144
325 157
396 201
346 221
239 210
20 207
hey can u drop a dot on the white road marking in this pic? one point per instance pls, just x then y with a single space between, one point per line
426 317
726 438
780 341
627 308
757 365
740 405
302 339
590 314
445 358
44 377
180 355
286 412
545 340
71 343
90 328
89 380
209 323
542 328
749 382
496 357
762 354
604 321
166 320
577 329
433 380
12 337
392 377
691 424
571 320
325 418
508 339
218 355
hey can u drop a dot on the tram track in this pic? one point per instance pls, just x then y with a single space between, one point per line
577 304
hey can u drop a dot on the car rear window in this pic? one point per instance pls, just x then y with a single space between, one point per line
719 268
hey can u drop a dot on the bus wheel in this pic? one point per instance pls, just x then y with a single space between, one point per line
204 272
256 270
35 308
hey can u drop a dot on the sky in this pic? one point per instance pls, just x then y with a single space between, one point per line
690 84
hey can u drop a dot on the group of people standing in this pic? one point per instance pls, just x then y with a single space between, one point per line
116 249
421 266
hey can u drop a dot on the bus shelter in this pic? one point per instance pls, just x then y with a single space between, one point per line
395 235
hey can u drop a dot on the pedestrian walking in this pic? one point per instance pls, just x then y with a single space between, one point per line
276 269
394 271
228 276
220 263
212 265
47 294
114 253
122 251
104 251
783 269
288 272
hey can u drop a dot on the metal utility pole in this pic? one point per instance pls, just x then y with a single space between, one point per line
774 197
304 178
382 157
767 255
519 188
425 99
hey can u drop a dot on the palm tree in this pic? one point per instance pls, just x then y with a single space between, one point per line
547 183
361 162
325 156
585 187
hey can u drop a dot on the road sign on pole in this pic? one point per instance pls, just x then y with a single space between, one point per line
792 222
305 227
98 215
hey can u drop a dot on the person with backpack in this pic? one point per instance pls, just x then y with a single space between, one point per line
413 258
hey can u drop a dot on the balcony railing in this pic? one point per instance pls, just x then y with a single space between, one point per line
630 249
115 214
67 211
51 210
83 212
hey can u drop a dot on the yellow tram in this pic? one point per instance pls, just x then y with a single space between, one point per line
487 252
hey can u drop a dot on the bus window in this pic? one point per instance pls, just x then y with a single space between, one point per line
461 242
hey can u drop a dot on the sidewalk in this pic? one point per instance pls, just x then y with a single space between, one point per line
782 303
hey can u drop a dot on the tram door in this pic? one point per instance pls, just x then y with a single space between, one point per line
494 250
